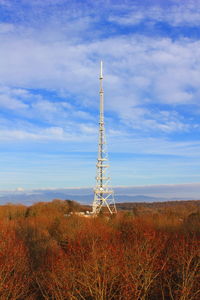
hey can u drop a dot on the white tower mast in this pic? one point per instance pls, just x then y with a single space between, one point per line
103 192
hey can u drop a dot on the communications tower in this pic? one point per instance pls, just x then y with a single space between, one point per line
103 192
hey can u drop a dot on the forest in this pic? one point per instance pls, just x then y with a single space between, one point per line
145 251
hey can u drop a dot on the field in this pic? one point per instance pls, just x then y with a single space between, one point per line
146 251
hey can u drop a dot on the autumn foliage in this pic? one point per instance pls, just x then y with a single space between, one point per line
144 253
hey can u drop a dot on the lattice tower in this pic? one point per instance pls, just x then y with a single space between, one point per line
103 192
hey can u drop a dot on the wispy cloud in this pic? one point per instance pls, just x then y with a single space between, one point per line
174 13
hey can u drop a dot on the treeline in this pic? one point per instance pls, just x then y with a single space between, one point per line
46 253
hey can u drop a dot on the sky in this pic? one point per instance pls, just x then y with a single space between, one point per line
50 53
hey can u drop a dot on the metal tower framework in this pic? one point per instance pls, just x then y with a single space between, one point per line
103 192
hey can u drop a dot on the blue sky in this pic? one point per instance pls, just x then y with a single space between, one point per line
50 53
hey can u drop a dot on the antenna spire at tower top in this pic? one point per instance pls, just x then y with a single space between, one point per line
101 70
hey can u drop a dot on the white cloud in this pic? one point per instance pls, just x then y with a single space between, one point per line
4 2
8 99
181 13
51 133
10 103
88 129
6 27
20 189
128 19
147 145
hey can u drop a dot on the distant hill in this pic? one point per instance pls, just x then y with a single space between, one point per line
82 195
29 198
138 198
